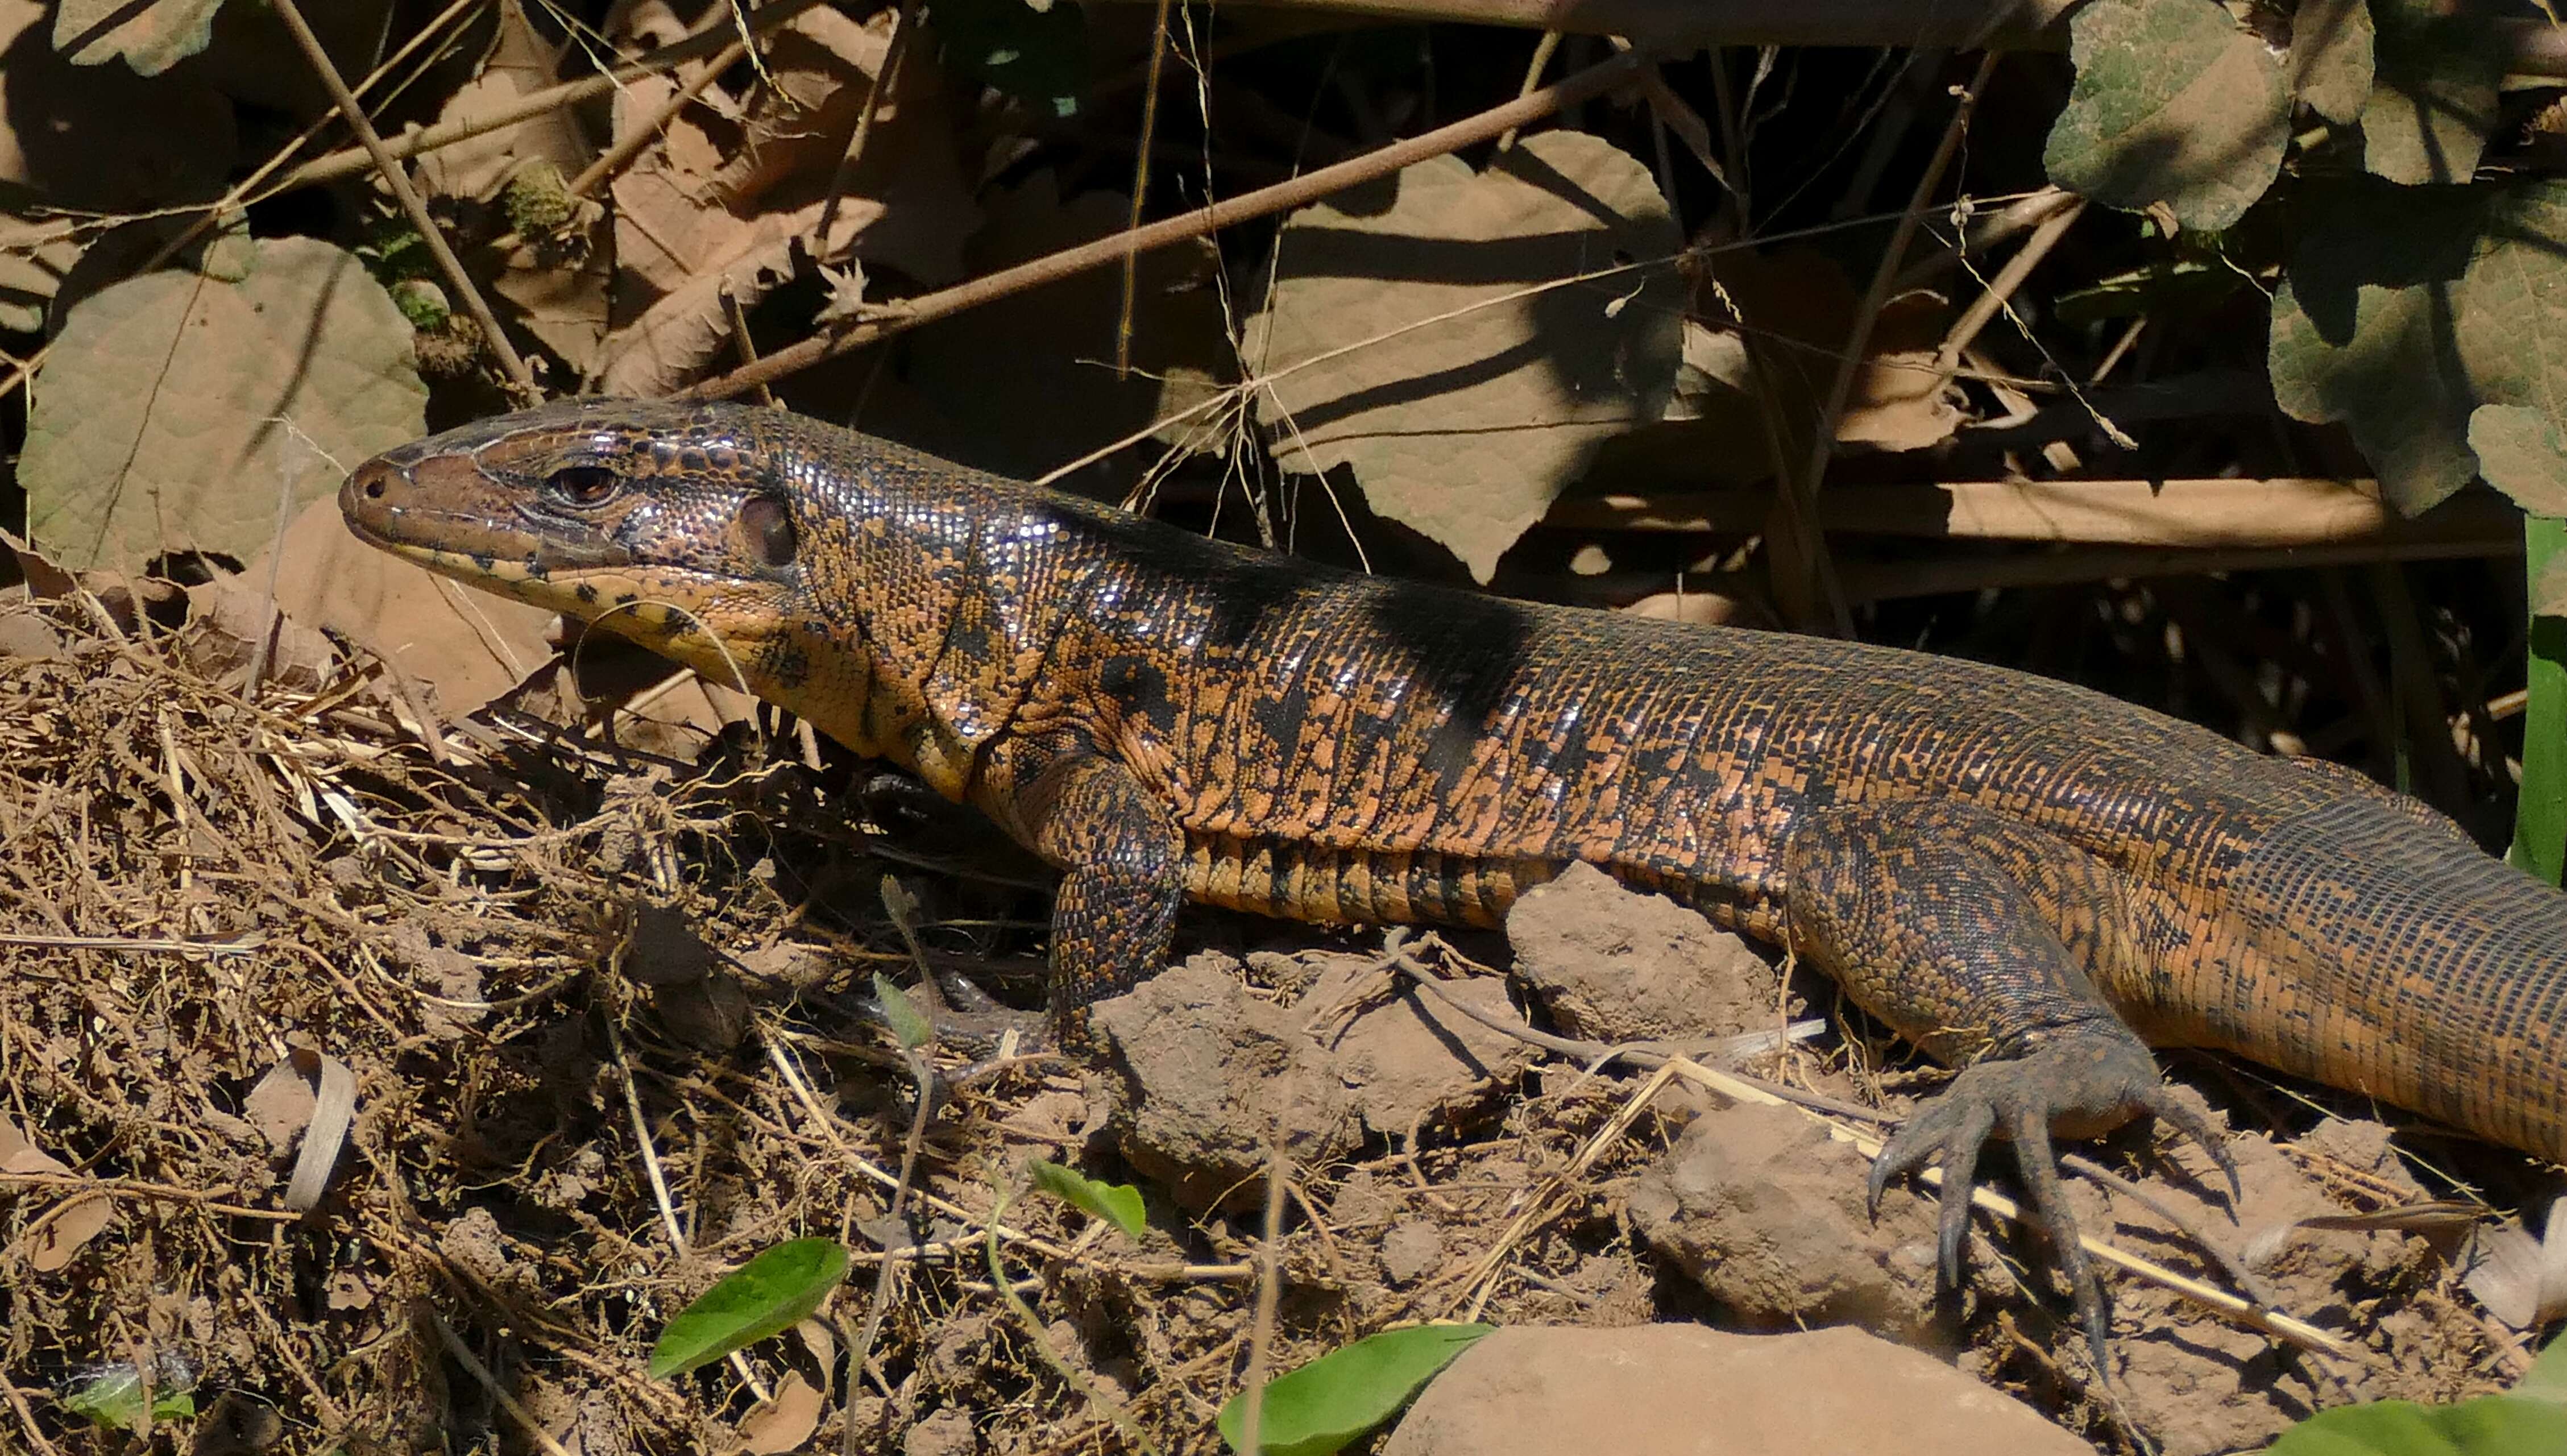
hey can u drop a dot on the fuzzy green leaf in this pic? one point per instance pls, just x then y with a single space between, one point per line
1118 1204
2172 103
1329 1403
2434 93
763 1296
152 37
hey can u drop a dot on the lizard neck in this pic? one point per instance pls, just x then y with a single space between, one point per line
945 588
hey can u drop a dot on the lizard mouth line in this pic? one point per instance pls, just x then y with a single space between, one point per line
429 534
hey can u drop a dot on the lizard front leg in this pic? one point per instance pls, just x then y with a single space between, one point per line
1973 935
1121 856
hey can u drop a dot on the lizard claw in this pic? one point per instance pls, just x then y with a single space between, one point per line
2082 1083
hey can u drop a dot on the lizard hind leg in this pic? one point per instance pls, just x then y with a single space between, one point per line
1980 939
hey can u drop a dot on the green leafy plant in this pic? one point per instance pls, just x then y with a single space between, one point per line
1118 1204
766 1296
114 1397
2530 1420
1327 1404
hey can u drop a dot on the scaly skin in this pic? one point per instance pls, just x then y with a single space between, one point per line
2026 878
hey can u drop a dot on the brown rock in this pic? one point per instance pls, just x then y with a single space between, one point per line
1684 1390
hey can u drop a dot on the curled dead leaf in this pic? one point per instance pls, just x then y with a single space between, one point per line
1467 341
784 1420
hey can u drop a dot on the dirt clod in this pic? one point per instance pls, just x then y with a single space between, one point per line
1614 965
1763 1210
1411 1250
1408 1055
1205 1076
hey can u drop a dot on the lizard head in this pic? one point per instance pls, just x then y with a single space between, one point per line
670 524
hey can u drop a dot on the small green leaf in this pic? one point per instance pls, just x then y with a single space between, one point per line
1327 1403
2173 103
913 1029
1034 52
1118 1204
2540 808
2491 1425
2520 454
763 1296
2433 92
112 1397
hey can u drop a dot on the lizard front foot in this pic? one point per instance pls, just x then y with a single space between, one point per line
2078 1083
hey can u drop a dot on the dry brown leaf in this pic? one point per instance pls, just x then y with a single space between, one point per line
718 208
819 68
1465 402
784 1420
562 303
1797 308
469 645
228 616
520 63
687 326
73 1223
2521 1280
19 1153
1900 400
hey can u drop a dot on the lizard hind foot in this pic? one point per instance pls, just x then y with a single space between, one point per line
2079 1083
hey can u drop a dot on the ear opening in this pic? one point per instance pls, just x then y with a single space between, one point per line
768 529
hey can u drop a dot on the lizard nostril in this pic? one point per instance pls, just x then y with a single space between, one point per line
375 488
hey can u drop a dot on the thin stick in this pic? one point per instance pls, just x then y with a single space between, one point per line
1265 202
499 1393
140 944
1985 230
26 1418
411 203
893 52
2200 512
1991 299
1270 1281
895 1223
1140 194
709 39
630 145
1823 447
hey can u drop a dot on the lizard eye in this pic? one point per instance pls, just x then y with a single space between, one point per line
581 484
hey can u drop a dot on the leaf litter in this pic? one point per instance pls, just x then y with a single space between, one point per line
213 891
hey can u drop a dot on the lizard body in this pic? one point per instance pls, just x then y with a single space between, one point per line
2027 878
